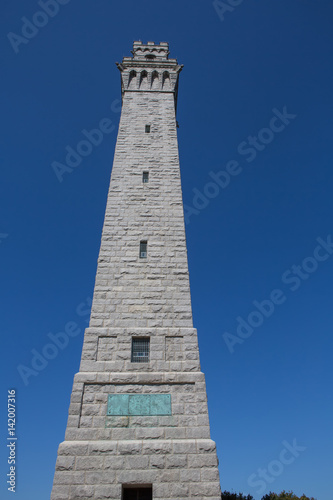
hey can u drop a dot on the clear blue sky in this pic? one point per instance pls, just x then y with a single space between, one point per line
277 384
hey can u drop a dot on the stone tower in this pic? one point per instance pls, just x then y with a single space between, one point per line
138 423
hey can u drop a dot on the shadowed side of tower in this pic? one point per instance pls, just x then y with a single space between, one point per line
138 423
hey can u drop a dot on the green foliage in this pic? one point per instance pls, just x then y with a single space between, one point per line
226 495
285 495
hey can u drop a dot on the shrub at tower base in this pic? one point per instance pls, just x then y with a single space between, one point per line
284 495
226 495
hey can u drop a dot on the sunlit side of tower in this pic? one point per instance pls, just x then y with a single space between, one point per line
138 423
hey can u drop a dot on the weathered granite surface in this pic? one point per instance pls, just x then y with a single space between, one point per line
143 298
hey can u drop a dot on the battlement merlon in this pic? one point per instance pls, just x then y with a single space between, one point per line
149 70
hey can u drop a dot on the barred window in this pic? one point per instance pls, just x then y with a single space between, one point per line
147 129
140 350
143 249
145 177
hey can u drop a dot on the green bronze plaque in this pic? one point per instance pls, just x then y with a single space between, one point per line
139 404
119 404
160 404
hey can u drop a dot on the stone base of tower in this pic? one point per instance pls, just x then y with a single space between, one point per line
175 469
171 453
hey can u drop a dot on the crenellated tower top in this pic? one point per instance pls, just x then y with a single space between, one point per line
150 51
150 69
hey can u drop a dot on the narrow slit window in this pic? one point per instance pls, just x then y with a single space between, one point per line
143 249
140 350
145 177
147 129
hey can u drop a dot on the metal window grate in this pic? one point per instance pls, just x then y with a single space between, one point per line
143 249
145 177
140 350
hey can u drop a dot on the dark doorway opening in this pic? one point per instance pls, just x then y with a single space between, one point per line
144 493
